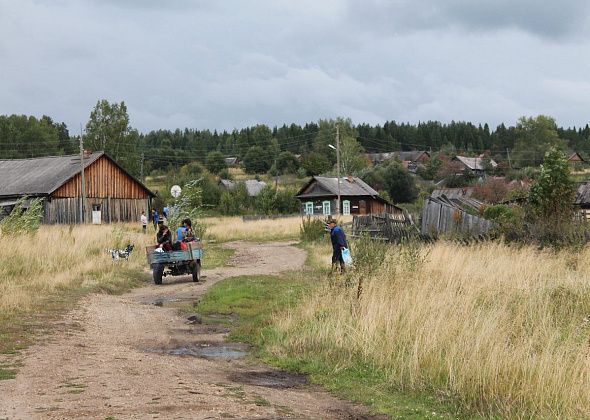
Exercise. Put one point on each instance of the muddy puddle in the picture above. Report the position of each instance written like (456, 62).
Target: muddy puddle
(270, 379)
(173, 302)
(206, 350)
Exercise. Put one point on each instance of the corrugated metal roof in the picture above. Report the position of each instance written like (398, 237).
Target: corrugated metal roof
(475, 163)
(357, 187)
(583, 194)
(39, 176)
(254, 187)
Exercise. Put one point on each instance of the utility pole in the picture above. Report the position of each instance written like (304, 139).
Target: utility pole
(508, 154)
(338, 211)
(83, 178)
(141, 167)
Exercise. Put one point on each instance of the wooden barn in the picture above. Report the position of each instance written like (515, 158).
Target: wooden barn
(320, 195)
(112, 194)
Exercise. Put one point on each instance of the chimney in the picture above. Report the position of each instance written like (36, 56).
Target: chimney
(350, 179)
(87, 153)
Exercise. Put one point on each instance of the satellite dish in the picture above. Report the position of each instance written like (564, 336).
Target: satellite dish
(175, 191)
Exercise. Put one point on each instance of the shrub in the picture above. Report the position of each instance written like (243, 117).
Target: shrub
(23, 219)
(312, 229)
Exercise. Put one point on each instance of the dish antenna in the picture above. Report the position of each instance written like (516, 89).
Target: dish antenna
(175, 191)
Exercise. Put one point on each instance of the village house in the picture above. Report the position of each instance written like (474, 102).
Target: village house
(320, 196)
(576, 160)
(477, 165)
(412, 157)
(111, 193)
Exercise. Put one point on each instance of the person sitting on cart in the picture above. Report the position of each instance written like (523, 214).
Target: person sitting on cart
(180, 232)
(189, 235)
(164, 237)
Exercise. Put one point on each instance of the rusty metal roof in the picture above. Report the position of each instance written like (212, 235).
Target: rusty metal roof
(42, 176)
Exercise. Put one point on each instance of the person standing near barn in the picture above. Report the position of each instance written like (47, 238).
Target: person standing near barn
(144, 221)
(339, 243)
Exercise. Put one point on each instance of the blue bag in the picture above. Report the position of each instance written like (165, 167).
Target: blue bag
(346, 256)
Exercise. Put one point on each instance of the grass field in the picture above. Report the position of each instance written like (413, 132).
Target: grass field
(224, 229)
(492, 329)
(43, 274)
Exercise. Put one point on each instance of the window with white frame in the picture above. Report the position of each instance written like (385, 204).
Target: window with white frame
(346, 207)
(309, 208)
(326, 208)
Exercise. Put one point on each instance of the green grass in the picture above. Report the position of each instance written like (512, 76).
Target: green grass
(216, 256)
(251, 301)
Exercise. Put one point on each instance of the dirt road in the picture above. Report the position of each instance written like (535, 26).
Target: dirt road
(135, 357)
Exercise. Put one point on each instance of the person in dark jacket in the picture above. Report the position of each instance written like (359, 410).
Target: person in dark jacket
(338, 239)
(164, 237)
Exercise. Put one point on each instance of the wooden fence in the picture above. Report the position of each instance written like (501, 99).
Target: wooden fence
(384, 227)
(442, 215)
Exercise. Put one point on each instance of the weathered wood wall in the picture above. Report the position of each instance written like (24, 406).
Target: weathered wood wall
(67, 210)
(103, 179)
(439, 217)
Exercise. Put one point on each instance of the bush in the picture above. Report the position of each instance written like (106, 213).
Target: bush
(23, 220)
(312, 229)
(215, 162)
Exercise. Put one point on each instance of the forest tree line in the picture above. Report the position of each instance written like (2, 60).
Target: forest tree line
(260, 147)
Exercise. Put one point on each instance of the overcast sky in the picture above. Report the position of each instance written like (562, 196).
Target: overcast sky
(227, 64)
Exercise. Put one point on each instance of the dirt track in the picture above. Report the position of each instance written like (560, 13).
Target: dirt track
(134, 356)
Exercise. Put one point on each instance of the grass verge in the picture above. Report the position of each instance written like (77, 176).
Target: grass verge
(249, 304)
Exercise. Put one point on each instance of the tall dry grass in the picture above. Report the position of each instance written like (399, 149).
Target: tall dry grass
(500, 330)
(225, 229)
(61, 259)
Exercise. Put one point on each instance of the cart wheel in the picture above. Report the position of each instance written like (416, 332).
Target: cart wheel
(196, 271)
(158, 271)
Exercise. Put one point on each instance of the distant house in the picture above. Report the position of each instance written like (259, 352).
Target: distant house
(320, 196)
(576, 160)
(253, 187)
(111, 193)
(477, 165)
(412, 156)
(231, 161)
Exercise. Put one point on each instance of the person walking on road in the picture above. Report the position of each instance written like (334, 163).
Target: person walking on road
(338, 239)
(144, 221)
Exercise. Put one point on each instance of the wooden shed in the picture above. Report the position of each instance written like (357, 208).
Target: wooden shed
(112, 194)
(320, 196)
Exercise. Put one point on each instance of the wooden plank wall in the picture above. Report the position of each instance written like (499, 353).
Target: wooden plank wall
(439, 218)
(103, 179)
(67, 210)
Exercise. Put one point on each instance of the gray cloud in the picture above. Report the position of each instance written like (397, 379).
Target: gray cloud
(547, 19)
(221, 65)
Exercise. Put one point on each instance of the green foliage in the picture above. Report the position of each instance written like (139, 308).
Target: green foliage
(257, 160)
(399, 183)
(312, 229)
(233, 202)
(23, 219)
(108, 130)
(276, 201)
(509, 221)
(22, 136)
(215, 162)
(369, 254)
(534, 137)
(189, 205)
(429, 170)
(352, 156)
(316, 164)
(551, 198)
(287, 163)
